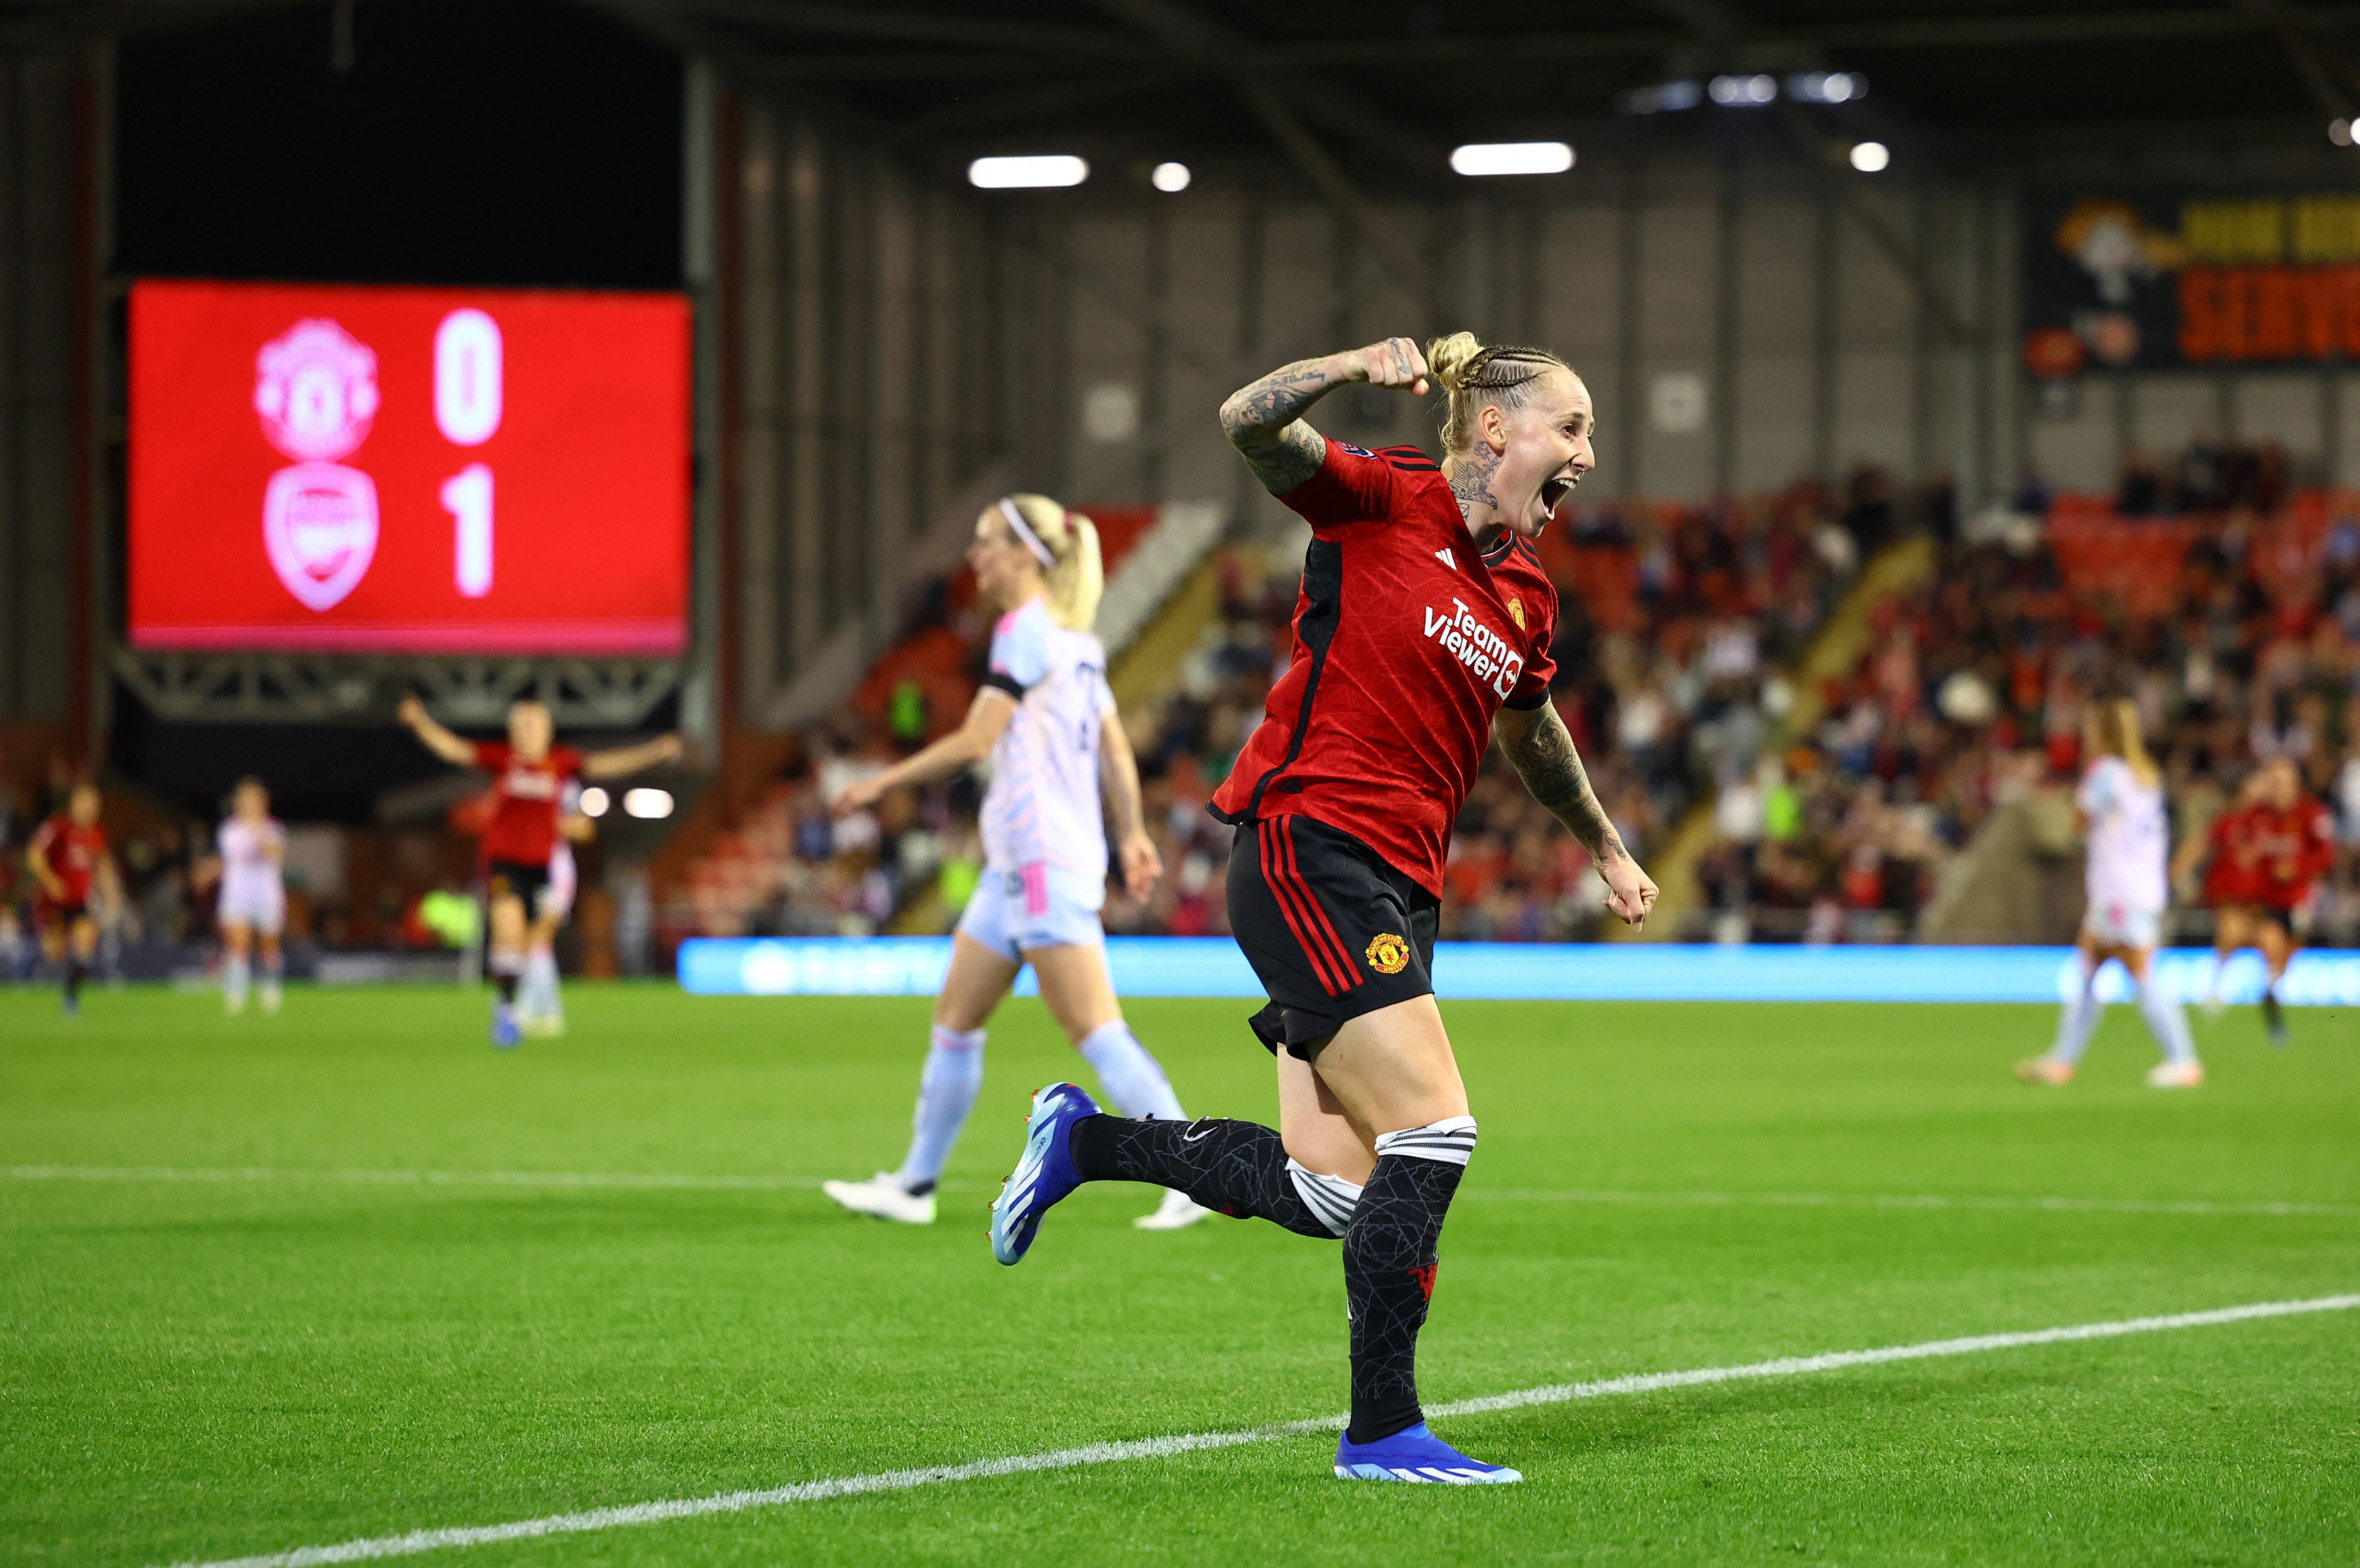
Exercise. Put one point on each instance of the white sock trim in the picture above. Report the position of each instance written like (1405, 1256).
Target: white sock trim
(1331, 1198)
(956, 1040)
(1450, 1141)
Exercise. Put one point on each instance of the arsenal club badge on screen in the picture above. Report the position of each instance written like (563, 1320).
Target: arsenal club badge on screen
(467, 471)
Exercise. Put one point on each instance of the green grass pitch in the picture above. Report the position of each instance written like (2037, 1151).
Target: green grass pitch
(193, 1369)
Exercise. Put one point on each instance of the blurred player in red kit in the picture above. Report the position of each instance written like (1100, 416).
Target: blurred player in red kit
(529, 775)
(69, 860)
(2266, 855)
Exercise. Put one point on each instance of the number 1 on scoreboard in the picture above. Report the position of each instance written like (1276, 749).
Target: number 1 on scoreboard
(468, 373)
(468, 497)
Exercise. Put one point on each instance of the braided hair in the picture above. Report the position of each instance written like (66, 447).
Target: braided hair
(1475, 377)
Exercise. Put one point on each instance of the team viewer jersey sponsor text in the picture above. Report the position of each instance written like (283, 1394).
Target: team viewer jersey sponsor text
(1407, 641)
(1042, 807)
(524, 814)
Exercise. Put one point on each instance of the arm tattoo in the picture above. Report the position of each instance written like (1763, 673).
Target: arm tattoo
(1263, 422)
(1551, 768)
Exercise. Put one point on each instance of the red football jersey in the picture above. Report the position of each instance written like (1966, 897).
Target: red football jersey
(2291, 850)
(2229, 864)
(72, 853)
(524, 817)
(1407, 641)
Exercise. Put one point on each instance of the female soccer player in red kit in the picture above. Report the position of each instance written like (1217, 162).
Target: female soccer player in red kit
(2268, 852)
(529, 775)
(1422, 633)
(71, 863)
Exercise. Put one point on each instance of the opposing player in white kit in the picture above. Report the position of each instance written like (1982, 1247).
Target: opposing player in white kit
(252, 847)
(1047, 720)
(541, 1010)
(2121, 798)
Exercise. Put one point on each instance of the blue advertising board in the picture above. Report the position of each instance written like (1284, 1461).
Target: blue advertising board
(1616, 972)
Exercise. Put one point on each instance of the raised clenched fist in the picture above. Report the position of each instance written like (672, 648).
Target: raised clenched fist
(1397, 361)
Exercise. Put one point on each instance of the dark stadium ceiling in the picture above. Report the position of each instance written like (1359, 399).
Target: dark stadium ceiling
(1387, 86)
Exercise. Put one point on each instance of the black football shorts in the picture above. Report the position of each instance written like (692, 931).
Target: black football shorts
(1330, 928)
(528, 883)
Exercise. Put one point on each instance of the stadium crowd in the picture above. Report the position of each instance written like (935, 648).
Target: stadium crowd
(2209, 588)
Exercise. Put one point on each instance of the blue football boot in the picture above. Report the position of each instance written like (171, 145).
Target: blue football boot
(505, 1033)
(1044, 1175)
(1415, 1454)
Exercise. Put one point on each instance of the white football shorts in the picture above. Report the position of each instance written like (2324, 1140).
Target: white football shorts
(2121, 925)
(1035, 905)
(260, 903)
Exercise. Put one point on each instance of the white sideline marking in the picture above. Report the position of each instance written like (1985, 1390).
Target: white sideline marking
(1916, 1201)
(1163, 1447)
(686, 1182)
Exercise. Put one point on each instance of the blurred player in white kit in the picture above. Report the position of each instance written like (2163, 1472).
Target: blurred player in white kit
(2121, 798)
(540, 1011)
(251, 851)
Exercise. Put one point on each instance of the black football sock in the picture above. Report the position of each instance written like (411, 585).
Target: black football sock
(1238, 1169)
(1389, 1264)
(507, 984)
(76, 972)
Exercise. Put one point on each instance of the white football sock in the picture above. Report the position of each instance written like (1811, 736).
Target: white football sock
(1331, 1198)
(540, 984)
(273, 971)
(1132, 1079)
(947, 1092)
(2166, 1021)
(2078, 1021)
(235, 973)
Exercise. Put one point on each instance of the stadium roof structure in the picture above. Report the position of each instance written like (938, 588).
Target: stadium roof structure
(1384, 88)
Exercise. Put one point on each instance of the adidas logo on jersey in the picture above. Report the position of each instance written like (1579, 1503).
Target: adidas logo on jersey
(1478, 646)
(1445, 557)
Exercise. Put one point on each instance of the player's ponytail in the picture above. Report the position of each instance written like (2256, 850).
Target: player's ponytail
(1473, 377)
(2116, 721)
(1077, 578)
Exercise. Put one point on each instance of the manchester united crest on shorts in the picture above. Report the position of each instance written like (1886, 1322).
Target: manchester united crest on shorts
(1388, 955)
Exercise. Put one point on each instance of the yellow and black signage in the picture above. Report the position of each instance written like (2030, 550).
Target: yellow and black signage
(2152, 282)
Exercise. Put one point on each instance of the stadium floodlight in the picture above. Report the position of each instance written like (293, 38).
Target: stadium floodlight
(1170, 178)
(2340, 132)
(1869, 157)
(1027, 173)
(594, 801)
(1511, 158)
(1827, 86)
(1743, 92)
(650, 804)
(1663, 98)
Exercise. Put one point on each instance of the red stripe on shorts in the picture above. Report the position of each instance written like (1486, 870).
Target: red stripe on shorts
(1337, 950)
(1273, 876)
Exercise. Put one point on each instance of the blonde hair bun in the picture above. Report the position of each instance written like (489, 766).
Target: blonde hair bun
(1452, 359)
(1474, 377)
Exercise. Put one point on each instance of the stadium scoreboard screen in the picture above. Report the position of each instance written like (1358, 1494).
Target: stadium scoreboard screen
(408, 469)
